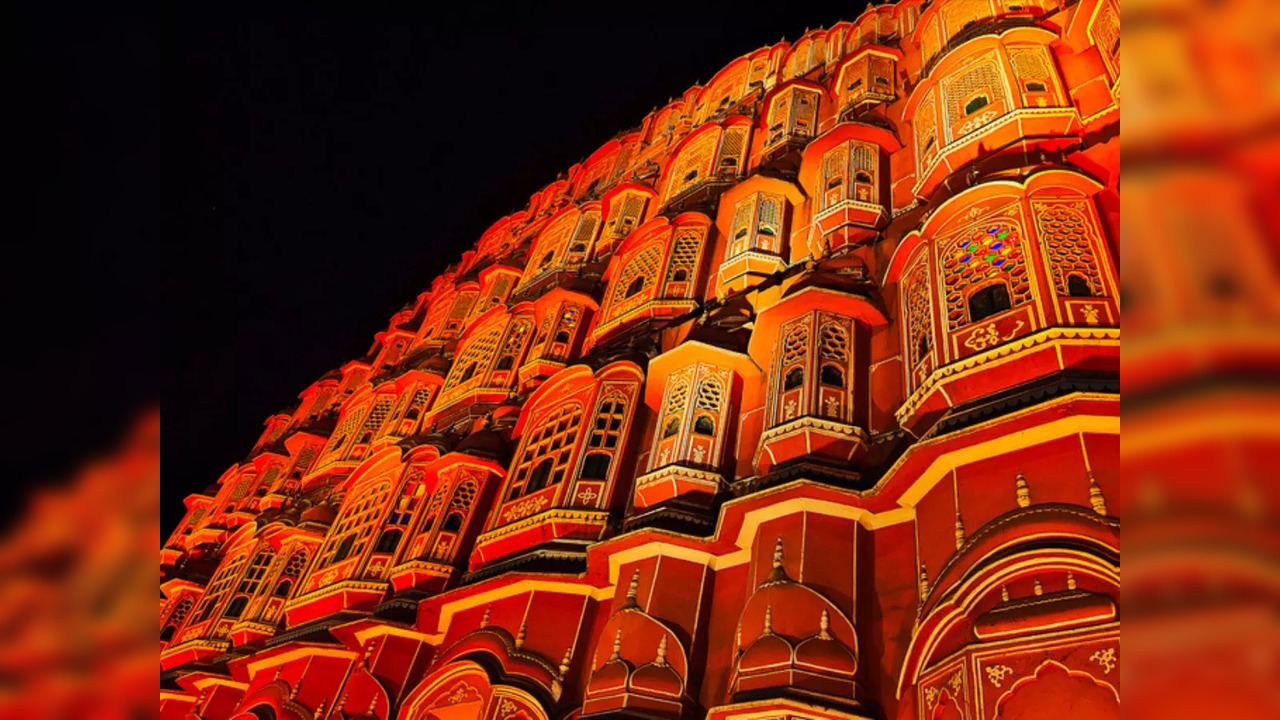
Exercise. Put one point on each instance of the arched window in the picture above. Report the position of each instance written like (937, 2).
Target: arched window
(976, 103)
(634, 288)
(283, 587)
(538, 478)
(468, 373)
(237, 606)
(388, 541)
(544, 460)
(453, 522)
(794, 379)
(672, 427)
(1077, 286)
(922, 347)
(988, 301)
(505, 362)
(344, 549)
(596, 466)
(167, 634)
(546, 259)
(704, 425)
(832, 375)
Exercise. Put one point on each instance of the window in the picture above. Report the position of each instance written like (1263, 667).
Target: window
(167, 634)
(673, 427)
(452, 523)
(704, 425)
(1077, 286)
(634, 288)
(596, 466)
(538, 478)
(988, 301)
(975, 104)
(389, 541)
(505, 362)
(237, 606)
(922, 347)
(344, 548)
(832, 375)
(794, 379)
(1035, 86)
(283, 588)
(546, 259)
(468, 373)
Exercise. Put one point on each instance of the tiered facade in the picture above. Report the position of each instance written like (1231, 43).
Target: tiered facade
(801, 399)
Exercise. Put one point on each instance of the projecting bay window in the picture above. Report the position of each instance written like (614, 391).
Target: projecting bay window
(793, 115)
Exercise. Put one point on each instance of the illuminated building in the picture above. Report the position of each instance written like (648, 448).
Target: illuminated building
(801, 399)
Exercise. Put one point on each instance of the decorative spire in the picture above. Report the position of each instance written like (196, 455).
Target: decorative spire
(1071, 580)
(617, 646)
(778, 573)
(321, 707)
(824, 625)
(373, 705)
(738, 639)
(293, 691)
(520, 634)
(633, 590)
(1004, 593)
(768, 620)
(1024, 491)
(484, 621)
(924, 583)
(279, 669)
(959, 530)
(1096, 499)
(1039, 589)
(661, 660)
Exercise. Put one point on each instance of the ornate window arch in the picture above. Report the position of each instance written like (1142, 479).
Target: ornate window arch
(546, 452)
(813, 369)
(360, 516)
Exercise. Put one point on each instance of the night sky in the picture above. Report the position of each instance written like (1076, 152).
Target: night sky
(323, 168)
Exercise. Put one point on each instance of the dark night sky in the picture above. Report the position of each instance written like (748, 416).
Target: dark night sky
(326, 166)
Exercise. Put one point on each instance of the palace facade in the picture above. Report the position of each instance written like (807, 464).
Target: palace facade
(799, 400)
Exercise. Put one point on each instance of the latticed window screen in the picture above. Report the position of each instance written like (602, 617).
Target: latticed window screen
(926, 128)
(694, 163)
(551, 441)
(677, 395)
(917, 299)
(1066, 230)
(740, 240)
(344, 432)
(179, 613)
(959, 13)
(474, 359)
(607, 428)
(377, 415)
(1030, 63)
(644, 264)
(464, 495)
(977, 254)
(1106, 34)
(710, 395)
(684, 255)
(960, 90)
(834, 343)
(220, 585)
(357, 523)
(796, 345)
(732, 144)
(251, 582)
(583, 237)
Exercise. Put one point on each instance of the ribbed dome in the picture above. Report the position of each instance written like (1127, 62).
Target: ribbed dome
(767, 652)
(322, 513)
(657, 677)
(824, 653)
(611, 677)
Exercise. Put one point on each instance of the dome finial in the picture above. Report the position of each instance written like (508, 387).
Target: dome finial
(1071, 580)
(768, 620)
(1023, 491)
(924, 583)
(564, 662)
(959, 530)
(824, 625)
(1004, 593)
(520, 634)
(617, 645)
(661, 659)
(633, 589)
(777, 553)
(1096, 498)
(1038, 589)
(484, 621)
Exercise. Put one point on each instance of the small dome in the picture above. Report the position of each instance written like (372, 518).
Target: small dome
(825, 655)
(483, 444)
(766, 653)
(655, 679)
(611, 677)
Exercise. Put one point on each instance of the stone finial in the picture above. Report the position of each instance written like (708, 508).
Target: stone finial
(564, 663)
(520, 634)
(321, 707)
(1039, 589)
(1096, 499)
(617, 646)
(633, 589)
(1023, 492)
(484, 621)
(293, 691)
(824, 625)
(373, 705)
(768, 620)
(959, 531)
(661, 659)
(1004, 593)
(924, 583)
(1071, 580)
(777, 553)
(738, 638)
